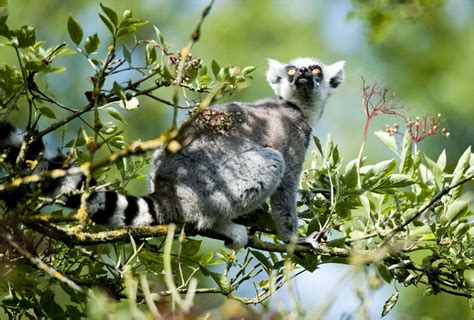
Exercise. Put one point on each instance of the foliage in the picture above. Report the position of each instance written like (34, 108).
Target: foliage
(381, 15)
(406, 219)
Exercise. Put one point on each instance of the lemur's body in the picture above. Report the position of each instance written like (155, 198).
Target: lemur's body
(222, 175)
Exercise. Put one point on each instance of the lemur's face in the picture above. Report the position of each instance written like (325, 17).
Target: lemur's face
(305, 81)
(304, 77)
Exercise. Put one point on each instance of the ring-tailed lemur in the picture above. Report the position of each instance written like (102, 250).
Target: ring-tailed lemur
(222, 175)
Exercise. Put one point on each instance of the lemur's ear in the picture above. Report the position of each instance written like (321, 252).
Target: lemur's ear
(335, 73)
(275, 72)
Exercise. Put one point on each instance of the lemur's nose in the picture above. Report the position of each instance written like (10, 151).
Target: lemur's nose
(303, 69)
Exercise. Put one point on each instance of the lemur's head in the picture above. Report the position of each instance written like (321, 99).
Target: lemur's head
(306, 82)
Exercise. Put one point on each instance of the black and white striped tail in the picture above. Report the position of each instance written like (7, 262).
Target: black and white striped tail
(117, 210)
(106, 207)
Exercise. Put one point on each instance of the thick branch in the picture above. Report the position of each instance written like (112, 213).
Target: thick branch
(72, 236)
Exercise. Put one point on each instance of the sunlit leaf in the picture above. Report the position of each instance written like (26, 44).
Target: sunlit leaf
(150, 53)
(92, 43)
(454, 211)
(388, 140)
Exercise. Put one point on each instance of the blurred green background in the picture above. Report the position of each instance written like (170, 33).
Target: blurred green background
(425, 54)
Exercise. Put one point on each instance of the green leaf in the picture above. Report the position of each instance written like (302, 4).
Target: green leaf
(308, 261)
(262, 258)
(335, 156)
(118, 91)
(150, 54)
(109, 128)
(318, 144)
(215, 68)
(329, 147)
(406, 160)
(203, 71)
(394, 181)
(435, 171)
(454, 211)
(75, 30)
(364, 200)
(191, 247)
(47, 112)
(36, 65)
(26, 36)
(377, 172)
(350, 174)
(462, 165)
(315, 224)
(206, 259)
(132, 22)
(383, 168)
(127, 55)
(118, 142)
(388, 140)
(92, 43)
(460, 170)
(222, 281)
(117, 115)
(248, 70)
(390, 303)
(159, 36)
(125, 31)
(4, 30)
(110, 13)
(107, 23)
(51, 308)
(223, 74)
(441, 162)
(165, 72)
(191, 74)
(384, 272)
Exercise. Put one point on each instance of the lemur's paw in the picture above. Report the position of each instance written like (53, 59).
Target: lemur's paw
(236, 244)
(236, 237)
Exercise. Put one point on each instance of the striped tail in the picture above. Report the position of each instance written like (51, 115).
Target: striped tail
(104, 207)
(117, 210)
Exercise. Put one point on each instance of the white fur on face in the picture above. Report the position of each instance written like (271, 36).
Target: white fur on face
(312, 104)
(305, 62)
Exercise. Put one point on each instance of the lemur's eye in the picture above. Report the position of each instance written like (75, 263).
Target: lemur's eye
(291, 71)
(316, 71)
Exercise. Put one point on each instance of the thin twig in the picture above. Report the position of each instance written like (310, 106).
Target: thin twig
(38, 263)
